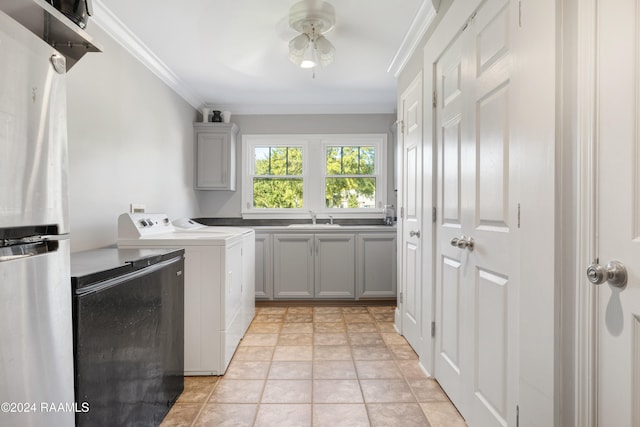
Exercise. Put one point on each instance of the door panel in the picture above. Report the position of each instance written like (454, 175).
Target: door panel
(412, 308)
(618, 191)
(476, 300)
(450, 336)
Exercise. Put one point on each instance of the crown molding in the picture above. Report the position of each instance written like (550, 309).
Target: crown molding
(116, 29)
(291, 109)
(418, 28)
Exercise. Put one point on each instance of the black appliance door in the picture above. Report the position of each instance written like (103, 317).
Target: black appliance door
(129, 346)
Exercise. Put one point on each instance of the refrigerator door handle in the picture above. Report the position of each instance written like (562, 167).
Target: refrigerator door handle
(12, 253)
(4, 258)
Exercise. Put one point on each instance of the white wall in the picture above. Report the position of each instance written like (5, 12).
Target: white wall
(228, 204)
(130, 140)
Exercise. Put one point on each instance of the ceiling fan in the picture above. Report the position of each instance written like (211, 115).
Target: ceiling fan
(312, 19)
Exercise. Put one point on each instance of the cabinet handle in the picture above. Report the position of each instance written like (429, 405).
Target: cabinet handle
(311, 248)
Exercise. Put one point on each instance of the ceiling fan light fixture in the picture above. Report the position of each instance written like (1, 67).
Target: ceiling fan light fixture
(310, 58)
(312, 18)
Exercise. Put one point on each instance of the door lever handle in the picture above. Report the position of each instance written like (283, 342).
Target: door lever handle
(463, 242)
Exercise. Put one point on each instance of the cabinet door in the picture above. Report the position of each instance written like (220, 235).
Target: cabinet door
(264, 267)
(377, 265)
(293, 265)
(215, 157)
(335, 273)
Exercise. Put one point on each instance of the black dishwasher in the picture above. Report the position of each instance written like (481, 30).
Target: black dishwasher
(128, 331)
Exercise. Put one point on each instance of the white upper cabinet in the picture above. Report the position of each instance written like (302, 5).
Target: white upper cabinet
(215, 150)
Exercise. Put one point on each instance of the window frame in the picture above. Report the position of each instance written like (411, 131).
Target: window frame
(314, 173)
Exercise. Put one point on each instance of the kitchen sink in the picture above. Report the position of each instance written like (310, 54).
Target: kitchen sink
(314, 225)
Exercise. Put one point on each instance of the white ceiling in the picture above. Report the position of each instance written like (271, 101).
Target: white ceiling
(234, 54)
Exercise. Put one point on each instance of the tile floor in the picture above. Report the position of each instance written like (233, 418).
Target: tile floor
(318, 366)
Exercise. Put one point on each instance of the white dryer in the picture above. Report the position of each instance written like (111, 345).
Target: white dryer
(219, 284)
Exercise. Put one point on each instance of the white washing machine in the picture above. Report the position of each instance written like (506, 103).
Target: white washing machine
(219, 300)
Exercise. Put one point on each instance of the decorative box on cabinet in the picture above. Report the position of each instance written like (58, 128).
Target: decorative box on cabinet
(215, 151)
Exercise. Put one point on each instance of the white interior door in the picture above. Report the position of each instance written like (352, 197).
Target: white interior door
(411, 102)
(618, 212)
(475, 275)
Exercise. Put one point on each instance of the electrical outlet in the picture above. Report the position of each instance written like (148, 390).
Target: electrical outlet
(137, 208)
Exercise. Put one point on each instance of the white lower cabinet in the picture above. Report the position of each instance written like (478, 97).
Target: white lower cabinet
(314, 266)
(264, 267)
(376, 265)
(328, 265)
(334, 265)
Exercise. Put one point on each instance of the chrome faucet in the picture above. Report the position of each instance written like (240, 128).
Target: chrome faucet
(313, 217)
(331, 219)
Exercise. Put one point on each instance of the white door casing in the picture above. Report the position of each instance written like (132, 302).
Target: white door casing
(476, 287)
(411, 238)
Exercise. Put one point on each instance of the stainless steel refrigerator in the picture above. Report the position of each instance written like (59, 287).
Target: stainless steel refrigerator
(36, 354)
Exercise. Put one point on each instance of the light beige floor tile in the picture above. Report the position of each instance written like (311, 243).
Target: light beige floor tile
(293, 352)
(181, 415)
(361, 327)
(300, 310)
(343, 414)
(403, 352)
(378, 369)
(291, 370)
(358, 318)
(329, 327)
(271, 310)
(336, 391)
(427, 390)
(298, 318)
(227, 415)
(371, 353)
(396, 414)
(247, 370)
(339, 338)
(383, 317)
(253, 353)
(283, 415)
(366, 338)
(387, 327)
(328, 317)
(442, 414)
(386, 391)
(269, 318)
(325, 310)
(297, 328)
(381, 309)
(394, 339)
(237, 391)
(411, 369)
(287, 391)
(334, 369)
(262, 340)
(355, 310)
(332, 352)
(295, 339)
(197, 389)
(264, 328)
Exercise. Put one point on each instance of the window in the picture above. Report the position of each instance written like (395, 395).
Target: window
(290, 175)
(350, 180)
(278, 177)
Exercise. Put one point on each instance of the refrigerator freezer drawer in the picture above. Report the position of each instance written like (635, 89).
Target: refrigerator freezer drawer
(36, 355)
